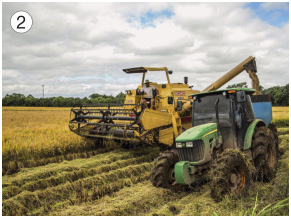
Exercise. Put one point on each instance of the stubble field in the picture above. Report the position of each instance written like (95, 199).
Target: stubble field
(47, 170)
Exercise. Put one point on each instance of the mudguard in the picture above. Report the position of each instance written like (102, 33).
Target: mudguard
(250, 132)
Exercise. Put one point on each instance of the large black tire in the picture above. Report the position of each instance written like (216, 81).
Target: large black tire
(229, 174)
(162, 173)
(265, 154)
(273, 128)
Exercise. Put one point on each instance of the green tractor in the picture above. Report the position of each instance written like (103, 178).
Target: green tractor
(230, 143)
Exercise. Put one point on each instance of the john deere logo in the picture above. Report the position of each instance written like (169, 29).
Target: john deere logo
(183, 144)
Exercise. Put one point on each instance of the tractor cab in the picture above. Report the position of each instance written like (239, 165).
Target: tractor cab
(230, 109)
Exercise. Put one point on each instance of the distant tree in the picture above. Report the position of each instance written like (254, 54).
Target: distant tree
(280, 95)
(85, 101)
(120, 97)
(95, 95)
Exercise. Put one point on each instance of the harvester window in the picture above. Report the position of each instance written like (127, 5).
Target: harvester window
(170, 100)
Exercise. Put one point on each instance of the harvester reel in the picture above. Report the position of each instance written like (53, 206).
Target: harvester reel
(105, 116)
(137, 114)
(77, 114)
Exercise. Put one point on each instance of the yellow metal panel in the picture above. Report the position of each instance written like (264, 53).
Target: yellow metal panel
(151, 119)
(156, 68)
(166, 136)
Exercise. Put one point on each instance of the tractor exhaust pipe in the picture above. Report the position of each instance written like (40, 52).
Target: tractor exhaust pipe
(217, 122)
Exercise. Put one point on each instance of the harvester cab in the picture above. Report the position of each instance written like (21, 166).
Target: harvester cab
(169, 93)
(227, 136)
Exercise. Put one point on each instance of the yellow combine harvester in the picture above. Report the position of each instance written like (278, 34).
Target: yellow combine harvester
(132, 124)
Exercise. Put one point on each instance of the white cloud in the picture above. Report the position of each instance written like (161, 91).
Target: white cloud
(80, 48)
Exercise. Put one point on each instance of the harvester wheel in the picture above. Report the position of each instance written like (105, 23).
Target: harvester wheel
(265, 154)
(229, 174)
(162, 173)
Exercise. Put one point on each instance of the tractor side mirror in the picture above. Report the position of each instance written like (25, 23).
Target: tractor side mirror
(179, 105)
(241, 96)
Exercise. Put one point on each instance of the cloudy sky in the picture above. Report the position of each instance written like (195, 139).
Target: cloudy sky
(76, 49)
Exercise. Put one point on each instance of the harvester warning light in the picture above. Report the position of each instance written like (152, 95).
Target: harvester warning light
(231, 91)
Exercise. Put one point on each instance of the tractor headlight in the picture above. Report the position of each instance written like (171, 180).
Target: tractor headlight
(189, 144)
(178, 145)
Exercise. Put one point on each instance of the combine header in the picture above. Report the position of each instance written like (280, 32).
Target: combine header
(132, 124)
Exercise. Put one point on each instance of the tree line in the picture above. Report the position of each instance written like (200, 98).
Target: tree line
(16, 99)
(280, 97)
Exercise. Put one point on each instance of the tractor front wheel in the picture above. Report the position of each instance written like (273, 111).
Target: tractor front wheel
(229, 174)
(265, 154)
(162, 173)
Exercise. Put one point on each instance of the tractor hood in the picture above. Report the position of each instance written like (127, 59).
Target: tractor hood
(197, 132)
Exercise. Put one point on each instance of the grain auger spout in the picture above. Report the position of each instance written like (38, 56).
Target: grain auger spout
(248, 64)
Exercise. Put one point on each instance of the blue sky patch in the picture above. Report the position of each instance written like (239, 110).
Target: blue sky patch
(149, 17)
(277, 15)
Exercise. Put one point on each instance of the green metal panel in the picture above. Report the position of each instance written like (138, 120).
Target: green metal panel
(185, 170)
(184, 173)
(247, 90)
(179, 171)
(197, 132)
(250, 132)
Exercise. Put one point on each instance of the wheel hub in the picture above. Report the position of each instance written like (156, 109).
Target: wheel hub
(172, 176)
(235, 180)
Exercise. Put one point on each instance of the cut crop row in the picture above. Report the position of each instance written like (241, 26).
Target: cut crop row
(27, 201)
(43, 172)
(75, 175)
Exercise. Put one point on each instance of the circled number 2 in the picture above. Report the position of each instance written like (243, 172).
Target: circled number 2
(21, 21)
(18, 26)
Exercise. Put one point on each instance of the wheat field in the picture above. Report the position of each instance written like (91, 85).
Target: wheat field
(48, 170)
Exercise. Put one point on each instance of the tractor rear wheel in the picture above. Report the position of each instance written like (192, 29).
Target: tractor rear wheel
(162, 173)
(229, 174)
(265, 154)
(273, 128)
